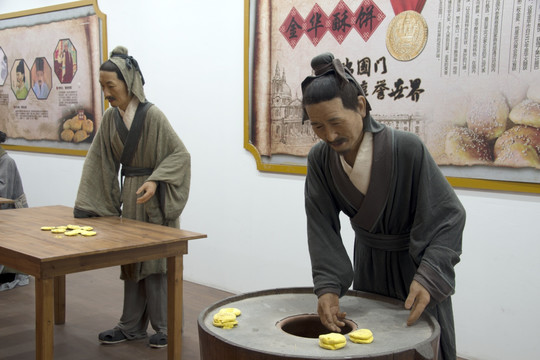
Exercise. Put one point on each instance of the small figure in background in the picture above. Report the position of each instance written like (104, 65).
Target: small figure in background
(10, 188)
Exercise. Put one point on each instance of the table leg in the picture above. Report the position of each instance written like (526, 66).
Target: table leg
(174, 306)
(60, 299)
(44, 318)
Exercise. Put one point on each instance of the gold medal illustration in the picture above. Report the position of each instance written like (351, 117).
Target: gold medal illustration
(407, 35)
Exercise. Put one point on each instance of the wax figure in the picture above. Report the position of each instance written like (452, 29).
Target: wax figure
(11, 187)
(408, 222)
(156, 172)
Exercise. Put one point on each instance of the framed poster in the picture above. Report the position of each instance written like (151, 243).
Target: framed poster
(464, 75)
(50, 97)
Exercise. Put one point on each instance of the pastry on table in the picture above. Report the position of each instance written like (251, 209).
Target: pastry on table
(332, 341)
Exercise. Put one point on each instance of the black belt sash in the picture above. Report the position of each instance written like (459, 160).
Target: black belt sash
(135, 171)
(384, 242)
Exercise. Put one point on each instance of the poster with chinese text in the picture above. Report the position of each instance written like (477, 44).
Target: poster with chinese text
(464, 75)
(50, 98)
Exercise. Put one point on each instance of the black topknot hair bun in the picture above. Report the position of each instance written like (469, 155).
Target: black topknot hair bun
(321, 61)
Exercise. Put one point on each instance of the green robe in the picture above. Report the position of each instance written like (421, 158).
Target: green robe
(407, 226)
(21, 93)
(101, 194)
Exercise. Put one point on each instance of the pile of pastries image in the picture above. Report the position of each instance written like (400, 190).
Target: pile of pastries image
(491, 128)
(77, 129)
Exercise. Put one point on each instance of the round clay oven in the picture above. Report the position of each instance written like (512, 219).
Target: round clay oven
(283, 324)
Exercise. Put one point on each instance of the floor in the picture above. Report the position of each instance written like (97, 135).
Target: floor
(93, 304)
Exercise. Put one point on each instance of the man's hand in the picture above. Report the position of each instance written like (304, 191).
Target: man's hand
(417, 301)
(328, 309)
(148, 189)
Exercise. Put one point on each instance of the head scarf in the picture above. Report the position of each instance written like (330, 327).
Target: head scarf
(326, 65)
(130, 70)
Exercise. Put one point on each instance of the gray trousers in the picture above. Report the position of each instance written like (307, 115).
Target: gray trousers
(145, 301)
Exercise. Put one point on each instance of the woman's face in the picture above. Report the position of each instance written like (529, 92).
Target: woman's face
(19, 77)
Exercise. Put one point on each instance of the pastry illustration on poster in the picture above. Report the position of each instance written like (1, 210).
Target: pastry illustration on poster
(50, 98)
(463, 75)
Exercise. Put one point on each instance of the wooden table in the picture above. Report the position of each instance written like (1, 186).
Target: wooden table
(49, 257)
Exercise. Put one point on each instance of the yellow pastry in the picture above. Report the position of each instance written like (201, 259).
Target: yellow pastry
(465, 147)
(526, 113)
(71, 232)
(361, 336)
(225, 320)
(80, 135)
(86, 228)
(332, 341)
(47, 228)
(488, 115)
(67, 135)
(73, 227)
(87, 233)
(75, 123)
(58, 230)
(235, 311)
(88, 126)
(67, 124)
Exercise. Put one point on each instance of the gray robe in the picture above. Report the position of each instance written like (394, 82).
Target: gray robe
(11, 186)
(408, 226)
(100, 192)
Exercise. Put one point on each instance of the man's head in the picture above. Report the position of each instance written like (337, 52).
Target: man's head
(121, 79)
(335, 104)
(114, 86)
(39, 71)
(331, 79)
(327, 87)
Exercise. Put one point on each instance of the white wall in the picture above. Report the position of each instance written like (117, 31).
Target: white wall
(255, 221)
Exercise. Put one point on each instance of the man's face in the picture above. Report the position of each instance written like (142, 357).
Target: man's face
(39, 74)
(114, 89)
(340, 127)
